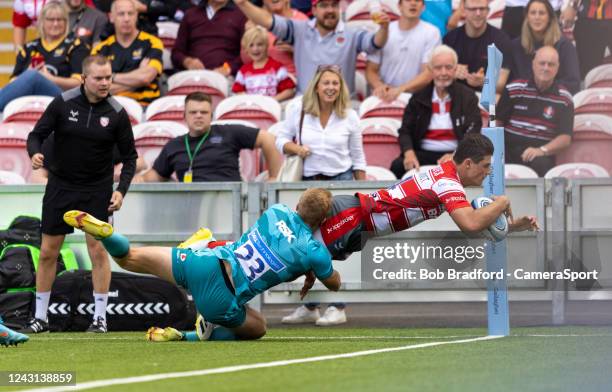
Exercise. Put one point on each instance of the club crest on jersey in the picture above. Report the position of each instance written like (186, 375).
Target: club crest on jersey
(549, 112)
(137, 54)
(285, 231)
(58, 52)
(74, 114)
(104, 121)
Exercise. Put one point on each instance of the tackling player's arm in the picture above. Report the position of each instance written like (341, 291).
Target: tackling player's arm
(333, 281)
(472, 221)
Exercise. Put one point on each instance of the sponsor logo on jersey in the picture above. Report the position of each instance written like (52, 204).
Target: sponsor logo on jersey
(285, 231)
(340, 224)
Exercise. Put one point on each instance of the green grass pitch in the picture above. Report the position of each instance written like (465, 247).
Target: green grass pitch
(532, 359)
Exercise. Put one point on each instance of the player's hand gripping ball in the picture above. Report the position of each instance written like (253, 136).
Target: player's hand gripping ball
(499, 229)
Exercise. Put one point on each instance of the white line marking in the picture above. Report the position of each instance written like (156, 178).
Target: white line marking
(50, 339)
(237, 368)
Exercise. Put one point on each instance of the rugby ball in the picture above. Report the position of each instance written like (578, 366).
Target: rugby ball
(499, 229)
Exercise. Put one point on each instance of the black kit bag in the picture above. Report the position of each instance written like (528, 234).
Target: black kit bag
(135, 303)
(22, 230)
(16, 269)
(16, 308)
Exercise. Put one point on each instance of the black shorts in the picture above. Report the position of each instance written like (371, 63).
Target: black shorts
(57, 201)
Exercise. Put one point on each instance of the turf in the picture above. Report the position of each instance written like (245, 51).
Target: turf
(529, 360)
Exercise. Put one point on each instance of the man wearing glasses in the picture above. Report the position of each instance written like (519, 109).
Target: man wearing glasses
(470, 41)
(323, 40)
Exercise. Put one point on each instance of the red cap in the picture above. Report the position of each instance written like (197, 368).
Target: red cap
(314, 2)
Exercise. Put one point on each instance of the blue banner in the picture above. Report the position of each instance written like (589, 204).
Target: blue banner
(495, 58)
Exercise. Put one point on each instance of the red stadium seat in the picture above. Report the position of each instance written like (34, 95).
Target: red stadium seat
(379, 126)
(594, 100)
(514, 171)
(592, 141)
(261, 110)
(359, 10)
(10, 178)
(380, 149)
(374, 107)
(170, 108)
(26, 109)
(600, 76)
(13, 154)
(132, 107)
(150, 137)
(577, 170)
(377, 173)
(209, 82)
(167, 32)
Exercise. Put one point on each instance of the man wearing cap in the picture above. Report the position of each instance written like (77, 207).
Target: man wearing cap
(322, 40)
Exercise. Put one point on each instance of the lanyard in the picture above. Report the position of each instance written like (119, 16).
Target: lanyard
(195, 152)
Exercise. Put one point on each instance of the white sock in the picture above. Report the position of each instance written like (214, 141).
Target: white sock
(42, 304)
(100, 310)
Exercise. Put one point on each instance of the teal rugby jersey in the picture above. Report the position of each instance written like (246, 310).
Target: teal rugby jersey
(278, 248)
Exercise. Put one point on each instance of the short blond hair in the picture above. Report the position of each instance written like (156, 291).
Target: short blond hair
(50, 7)
(314, 205)
(310, 100)
(253, 34)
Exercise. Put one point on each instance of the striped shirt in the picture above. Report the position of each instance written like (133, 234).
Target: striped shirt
(536, 116)
(128, 59)
(440, 135)
(426, 195)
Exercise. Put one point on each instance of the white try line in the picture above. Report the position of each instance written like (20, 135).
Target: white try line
(238, 368)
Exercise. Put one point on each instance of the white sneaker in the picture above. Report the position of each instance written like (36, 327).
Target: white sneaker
(332, 316)
(302, 315)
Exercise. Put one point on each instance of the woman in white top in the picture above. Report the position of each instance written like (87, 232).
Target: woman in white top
(331, 143)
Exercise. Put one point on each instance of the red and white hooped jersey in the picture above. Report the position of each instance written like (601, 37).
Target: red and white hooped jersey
(426, 195)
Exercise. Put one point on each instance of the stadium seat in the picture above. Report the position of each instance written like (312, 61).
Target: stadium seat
(209, 82)
(380, 149)
(375, 107)
(422, 169)
(577, 170)
(260, 110)
(362, 59)
(600, 76)
(167, 32)
(594, 100)
(359, 10)
(363, 24)
(379, 126)
(361, 86)
(10, 178)
(13, 154)
(274, 129)
(150, 137)
(166, 108)
(377, 173)
(592, 141)
(251, 161)
(132, 107)
(28, 108)
(496, 13)
(514, 171)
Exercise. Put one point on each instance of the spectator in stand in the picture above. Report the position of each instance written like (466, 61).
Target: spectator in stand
(437, 117)
(538, 115)
(514, 14)
(470, 42)
(263, 75)
(592, 30)
(25, 14)
(323, 40)
(50, 64)
(209, 38)
(401, 66)
(330, 137)
(136, 56)
(440, 14)
(86, 23)
(332, 148)
(209, 152)
(149, 13)
(541, 28)
(278, 49)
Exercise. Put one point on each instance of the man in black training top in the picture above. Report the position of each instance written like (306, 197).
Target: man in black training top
(87, 123)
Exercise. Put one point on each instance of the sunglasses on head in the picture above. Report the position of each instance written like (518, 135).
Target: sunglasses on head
(329, 67)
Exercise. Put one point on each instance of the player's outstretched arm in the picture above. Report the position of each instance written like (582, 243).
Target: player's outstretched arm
(523, 223)
(470, 220)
